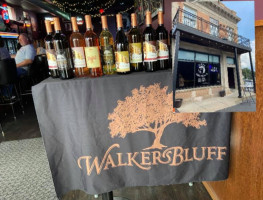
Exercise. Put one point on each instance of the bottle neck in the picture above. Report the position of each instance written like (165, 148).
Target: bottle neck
(57, 31)
(119, 28)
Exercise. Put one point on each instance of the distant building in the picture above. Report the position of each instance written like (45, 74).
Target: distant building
(206, 57)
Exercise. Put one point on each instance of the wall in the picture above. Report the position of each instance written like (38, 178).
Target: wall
(245, 180)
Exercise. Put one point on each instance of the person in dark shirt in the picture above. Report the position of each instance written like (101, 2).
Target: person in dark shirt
(4, 54)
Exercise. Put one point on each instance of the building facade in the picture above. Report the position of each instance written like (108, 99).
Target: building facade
(209, 49)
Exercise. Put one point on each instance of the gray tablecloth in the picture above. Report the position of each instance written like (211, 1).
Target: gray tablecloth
(115, 131)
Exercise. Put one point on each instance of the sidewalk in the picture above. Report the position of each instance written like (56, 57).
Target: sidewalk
(216, 103)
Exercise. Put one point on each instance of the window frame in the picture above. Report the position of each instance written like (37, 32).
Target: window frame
(195, 62)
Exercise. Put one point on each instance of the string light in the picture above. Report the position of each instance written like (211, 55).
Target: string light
(112, 15)
(67, 6)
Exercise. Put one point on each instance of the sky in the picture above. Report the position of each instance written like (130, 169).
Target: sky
(246, 26)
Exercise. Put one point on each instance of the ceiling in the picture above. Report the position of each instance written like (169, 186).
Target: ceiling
(118, 5)
(25, 5)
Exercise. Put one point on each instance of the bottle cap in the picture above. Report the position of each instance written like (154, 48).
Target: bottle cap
(160, 17)
(57, 24)
(119, 20)
(48, 26)
(88, 21)
(104, 21)
(74, 24)
(133, 19)
(148, 18)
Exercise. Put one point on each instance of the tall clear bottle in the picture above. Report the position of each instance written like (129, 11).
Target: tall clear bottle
(107, 48)
(149, 45)
(77, 44)
(121, 49)
(62, 49)
(50, 51)
(135, 45)
(92, 50)
(162, 43)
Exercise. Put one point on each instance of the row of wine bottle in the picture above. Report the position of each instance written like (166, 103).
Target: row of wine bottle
(94, 56)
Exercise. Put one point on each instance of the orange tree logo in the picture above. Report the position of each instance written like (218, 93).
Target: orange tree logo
(149, 109)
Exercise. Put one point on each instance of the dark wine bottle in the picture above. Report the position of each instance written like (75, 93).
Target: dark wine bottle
(135, 45)
(149, 45)
(50, 51)
(121, 49)
(62, 49)
(162, 43)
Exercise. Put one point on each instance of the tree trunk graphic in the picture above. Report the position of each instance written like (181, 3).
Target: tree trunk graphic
(157, 141)
(148, 110)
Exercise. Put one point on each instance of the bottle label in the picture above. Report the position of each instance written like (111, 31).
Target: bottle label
(122, 61)
(162, 48)
(107, 55)
(64, 59)
(150, 52)
(78, 57)
(51, 59)
(135, 52)
(92, 57)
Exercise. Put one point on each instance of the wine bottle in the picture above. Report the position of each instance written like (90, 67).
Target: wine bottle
(77, 44)
(149, 45)
(50, 51)
(64, 61)
(106, 45)
(162, 43)
(135, 45)
(121, 49)
(92, 50)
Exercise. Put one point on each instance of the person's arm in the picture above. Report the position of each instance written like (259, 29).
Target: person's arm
(24, 63)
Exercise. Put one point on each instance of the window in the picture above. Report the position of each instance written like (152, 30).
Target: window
(213, 59)
(230, 61)
(185, 75)
(186, 55)
(201, 57)
(189, 18)
(201, 74)
(197, 69)
(230, 33)
(215, 75)
(214, 27)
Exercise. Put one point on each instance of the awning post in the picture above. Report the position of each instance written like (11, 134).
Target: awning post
(238, 75)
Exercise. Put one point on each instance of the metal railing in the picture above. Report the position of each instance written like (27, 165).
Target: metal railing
(186, 18)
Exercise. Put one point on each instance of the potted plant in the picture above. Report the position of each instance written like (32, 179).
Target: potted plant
(222, 93)
(178, 103)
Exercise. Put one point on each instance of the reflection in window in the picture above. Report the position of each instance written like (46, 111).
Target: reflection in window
(214, 27)
(230, 61)
(189, 18)
(185, 75)
(230, 33)
(213, 59)
(197, 69)
(214, 71)
(201, 57)
(186, 55)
